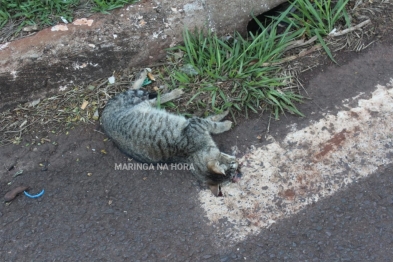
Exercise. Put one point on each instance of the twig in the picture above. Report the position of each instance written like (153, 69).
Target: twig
(299, 43)
(95, 130)
(293, 57)
(268, 128)
(353, 28)
(20, 130)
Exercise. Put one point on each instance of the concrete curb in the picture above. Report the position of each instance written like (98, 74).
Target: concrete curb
(85, 50)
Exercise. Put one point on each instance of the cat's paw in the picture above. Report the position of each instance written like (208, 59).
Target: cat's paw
(219, 117)
(227, 125)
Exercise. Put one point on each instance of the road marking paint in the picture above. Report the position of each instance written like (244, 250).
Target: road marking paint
(280, 179)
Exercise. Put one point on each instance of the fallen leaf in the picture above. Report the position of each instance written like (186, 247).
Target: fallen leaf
(151, 77)
(34, 103)
(84, 104)
(14, 192)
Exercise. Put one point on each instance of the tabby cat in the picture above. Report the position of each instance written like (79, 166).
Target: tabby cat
(151, 135)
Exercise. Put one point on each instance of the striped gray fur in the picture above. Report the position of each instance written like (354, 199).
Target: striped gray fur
(151, 135)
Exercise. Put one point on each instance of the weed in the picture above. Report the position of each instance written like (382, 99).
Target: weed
(317, 18)
(49, 12)
(36, 12)
(104, 6)
(237, 73)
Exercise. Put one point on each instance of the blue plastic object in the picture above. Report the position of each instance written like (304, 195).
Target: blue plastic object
(35, 196)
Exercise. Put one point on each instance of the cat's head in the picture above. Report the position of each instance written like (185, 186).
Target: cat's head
(222, 170)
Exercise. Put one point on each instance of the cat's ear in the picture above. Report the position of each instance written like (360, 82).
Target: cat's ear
(214, 167)
(215, 190)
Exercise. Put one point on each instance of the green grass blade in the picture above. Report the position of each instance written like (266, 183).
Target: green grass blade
(325, 47)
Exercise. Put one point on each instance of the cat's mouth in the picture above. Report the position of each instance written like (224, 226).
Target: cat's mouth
(232, 174)
(235, 172)
(236, 178)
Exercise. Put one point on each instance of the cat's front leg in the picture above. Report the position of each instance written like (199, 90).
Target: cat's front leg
(219, 117)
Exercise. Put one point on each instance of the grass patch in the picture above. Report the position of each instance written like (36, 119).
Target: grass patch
(234, 74)
(44, 13)
(103, 6)
(316, 18)
(237, 74)
(243, 74)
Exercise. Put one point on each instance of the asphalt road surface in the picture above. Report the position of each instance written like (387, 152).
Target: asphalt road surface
(318, 188)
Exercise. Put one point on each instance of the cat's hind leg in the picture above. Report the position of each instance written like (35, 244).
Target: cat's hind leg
(174, 94)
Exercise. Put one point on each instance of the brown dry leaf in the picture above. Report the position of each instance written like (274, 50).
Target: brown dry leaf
(85, 103)
(151, 77)
(142, 22)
